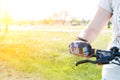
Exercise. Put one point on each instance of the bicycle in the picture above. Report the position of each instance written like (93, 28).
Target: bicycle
(103, 57)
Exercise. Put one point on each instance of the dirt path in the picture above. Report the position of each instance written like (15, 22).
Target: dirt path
(7, 73)
(31, 28)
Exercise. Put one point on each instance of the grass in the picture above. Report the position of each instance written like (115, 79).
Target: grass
(46, 54)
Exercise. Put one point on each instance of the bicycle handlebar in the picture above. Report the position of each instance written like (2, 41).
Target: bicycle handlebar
(102, 56)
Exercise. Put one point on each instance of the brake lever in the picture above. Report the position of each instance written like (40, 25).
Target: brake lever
(85, 61)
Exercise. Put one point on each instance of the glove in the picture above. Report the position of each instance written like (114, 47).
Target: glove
(80, 48)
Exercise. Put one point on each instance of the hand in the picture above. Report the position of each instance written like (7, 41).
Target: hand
(80, 48)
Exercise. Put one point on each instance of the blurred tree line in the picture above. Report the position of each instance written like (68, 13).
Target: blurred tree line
(55, 18)
(49, 21)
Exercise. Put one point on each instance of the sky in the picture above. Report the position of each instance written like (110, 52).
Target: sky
(40, 9)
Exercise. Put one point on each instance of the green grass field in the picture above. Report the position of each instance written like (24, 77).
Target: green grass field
(46, 54)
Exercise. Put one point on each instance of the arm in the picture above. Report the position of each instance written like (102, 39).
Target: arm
(101, 18)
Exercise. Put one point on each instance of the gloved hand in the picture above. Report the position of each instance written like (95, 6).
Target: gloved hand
(80, 48)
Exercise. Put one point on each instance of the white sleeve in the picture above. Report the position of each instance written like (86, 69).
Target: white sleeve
(106, 4)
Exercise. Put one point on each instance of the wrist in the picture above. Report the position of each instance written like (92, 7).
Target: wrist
(81, 39)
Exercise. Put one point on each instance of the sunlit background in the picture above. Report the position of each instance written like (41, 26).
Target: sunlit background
(41, 9)
(34, 39)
